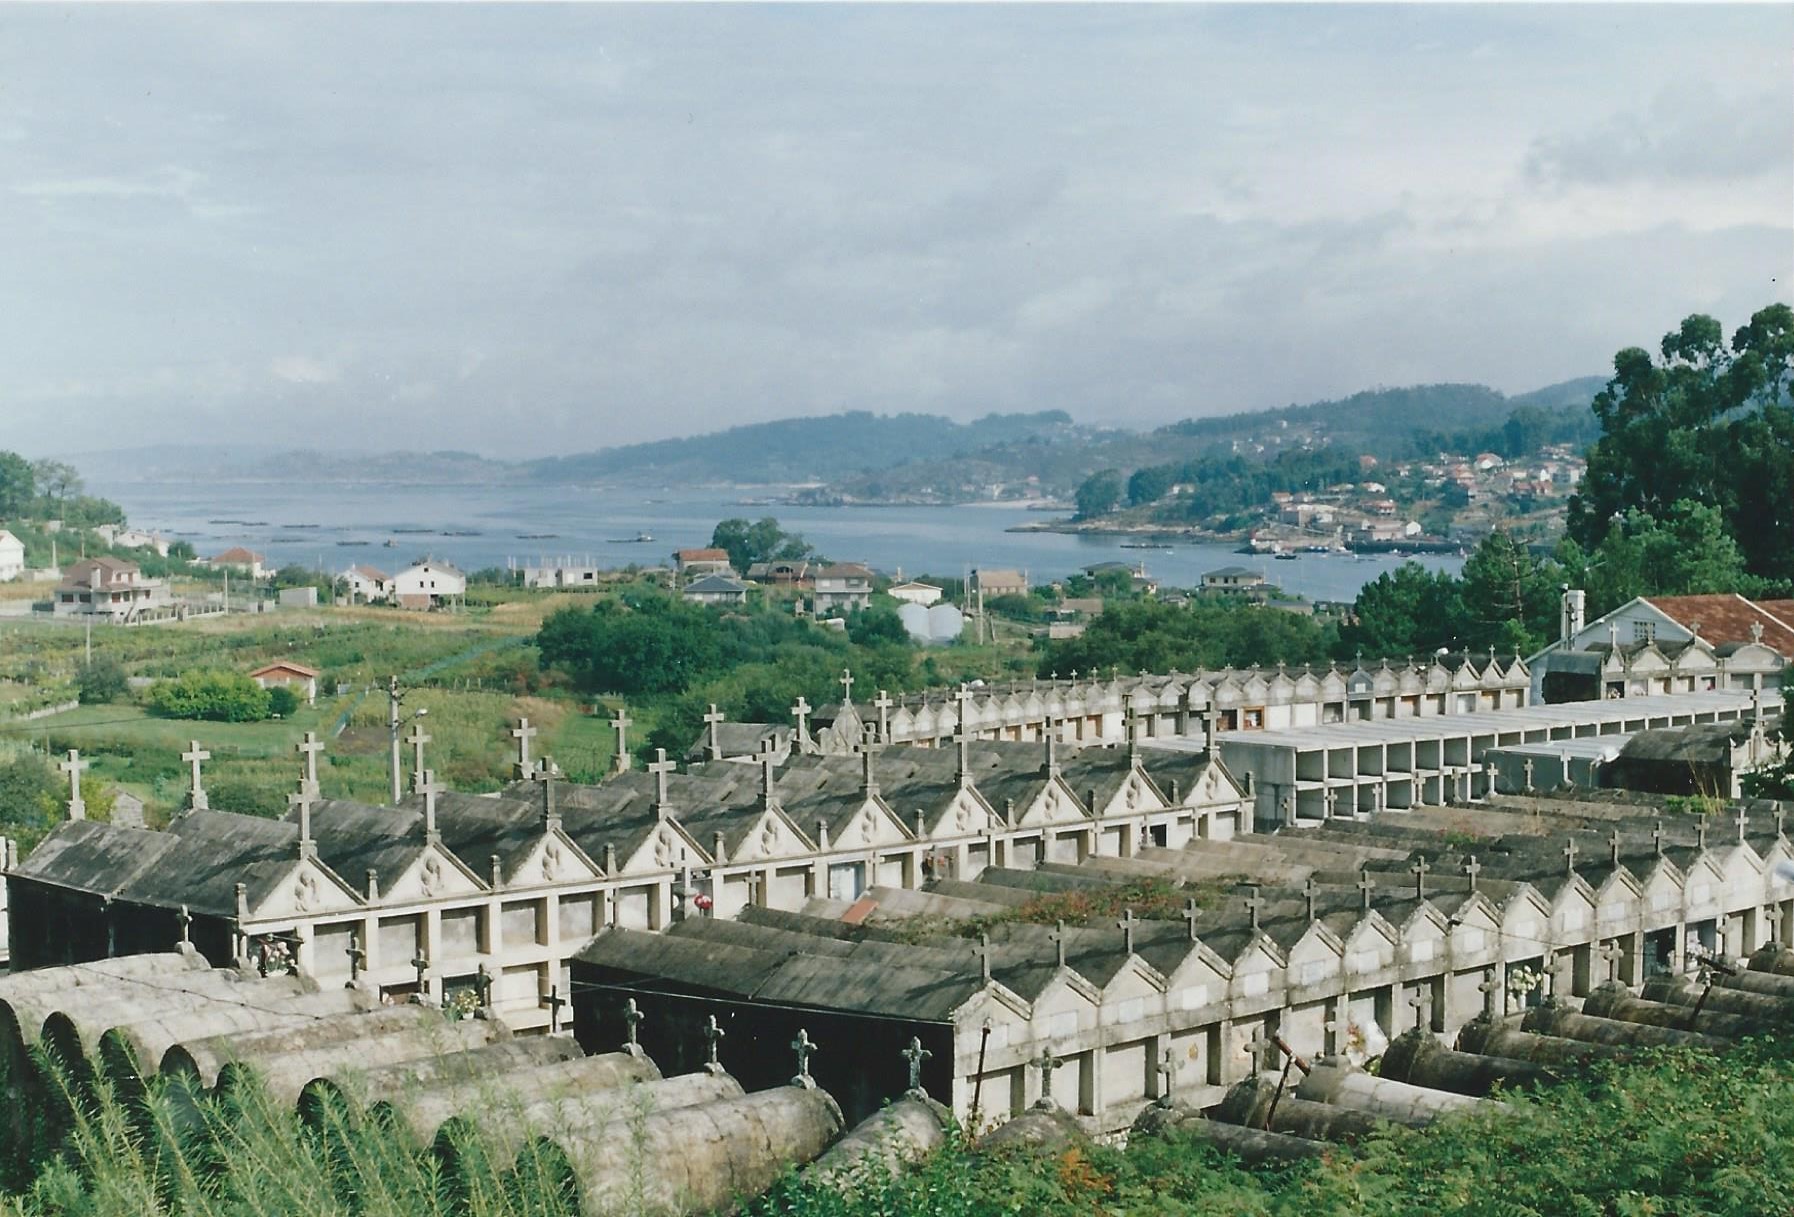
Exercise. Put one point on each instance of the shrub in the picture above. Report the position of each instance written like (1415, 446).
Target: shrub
(102, 680)
(282, 701)
(207, 693)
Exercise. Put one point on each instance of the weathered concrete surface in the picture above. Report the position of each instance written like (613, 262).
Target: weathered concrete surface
(1397, 1102)
(699, 1159)
(1250, 1145)
(284, 1076)
(1616, 1002)
(201, 1059)
(129, 1052)
(1501, 1039)
(422, 1113)
(1772, 1011)
(1774, 959)
(1248, 1104)
(1758, 982)
(1419, 1059)
(1050, 1127)
(886, 1141)
(480, 1071)
(1547, 1020)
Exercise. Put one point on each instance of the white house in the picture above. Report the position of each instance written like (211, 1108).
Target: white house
(132, 538)
(913, 592)
(716, 589)
(108, 587)
(12, 556)
(427, 585)
(366, 585)
(845, 585)
(295, 676)
(237, 558)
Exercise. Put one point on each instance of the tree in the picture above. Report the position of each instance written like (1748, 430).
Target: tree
(1150, 484)
(1156, 636)
(1099, 494)
(210, 694)
(1507, 600)
(1689, 552)
(761, 541)
(56, 481)
(1704, 423)
(103, 680)
(877, 625)
(18, 485)
(659, 645)
(282, 702)
(1407, 611)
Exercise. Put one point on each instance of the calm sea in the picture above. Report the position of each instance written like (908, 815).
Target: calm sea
(335, 526)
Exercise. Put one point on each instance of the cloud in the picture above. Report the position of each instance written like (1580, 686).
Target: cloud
(301, 370)
(1687, 132)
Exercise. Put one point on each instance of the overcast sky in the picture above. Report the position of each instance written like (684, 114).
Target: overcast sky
(520, 230)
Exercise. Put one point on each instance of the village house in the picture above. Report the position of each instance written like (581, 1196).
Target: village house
(12, 557)
(716, 589)
(366, 585)
(284, 673)
(429, 584)
(842, 587)
(998, 581)
(913, 592)
(695, 562)
(112, 588)
(559, 573)
(782, 572)
(238, 559)
(1233, 581)
(132, 538)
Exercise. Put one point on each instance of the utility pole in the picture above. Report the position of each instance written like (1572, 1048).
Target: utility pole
(392, 727)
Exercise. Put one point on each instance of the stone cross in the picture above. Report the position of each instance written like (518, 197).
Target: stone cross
(1489, 987)
(1332, 800)
(1049, 732)
(1473, 868)
(883, 704)
(1780, 817)
(1569, 852)
(523, 733)
(869, 750)
(621, 722)
(1058, 937)
(982, 951)
(555, 1002)
(302, 801)
(1528, 769)
(805, 1048)
(1257, 1046)
(1191, 914)
(1253, 903)
(962, 739)
(421, 966)
(73, 767)
(417, 739)
(426, 786)
(482, 985)
(1657, 838)
(309, 747)
(632, 1017)
(660, 767)
(1613, 847)
(1366, 885)
(1126, 923)
(915, 1054)
(1422, 1001)
(196, 793)
(1167, 1076)
(1046, 1062)
(1700, 832)
(847, 686)
(800, 711)
(713, 1035)
(1610, 951)
(1310, 889)
(713, 721)
(1419, 869)
(358, 957)
(185, 919)
(1743, 822)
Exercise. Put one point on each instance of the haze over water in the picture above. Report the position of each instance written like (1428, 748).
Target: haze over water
(306, 524)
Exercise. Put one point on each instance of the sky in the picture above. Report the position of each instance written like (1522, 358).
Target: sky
(523, 230)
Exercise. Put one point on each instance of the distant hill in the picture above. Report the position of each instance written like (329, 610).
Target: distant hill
(797, 450)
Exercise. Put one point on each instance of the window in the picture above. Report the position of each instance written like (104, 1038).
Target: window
(1644, 631)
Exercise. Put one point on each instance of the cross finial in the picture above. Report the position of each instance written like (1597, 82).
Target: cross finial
(417, 739)
(426, 786)
(982, 951)
(1743, 821)
(1167, 1076)
(621, 722)
(847, 686)
(1472, 868)
(713, 721)
(883, 704)
(766, 756)
(1611, 952)
(302, 801)
(1191, 914)
(309, 747)
(714, 1034)
(1569, 852)
(1418, 869)
(523, 733)
(915, 1054)
(1700, 831)
(196, 793)
(632, 1017)
(1253, 902)
(1366, 885)
(660, 767)
(358, 957)
(1528, 769)
(1058, 937)
(1310, 891)
(185, 920)
(421, 966)
(73, 767)
(805, 1048)
(1126, 923)
(1657, 838)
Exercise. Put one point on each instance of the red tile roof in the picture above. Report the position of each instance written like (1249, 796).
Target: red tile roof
(1726, 619)
(286, 665)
